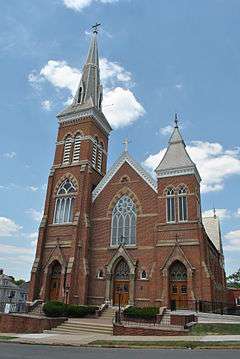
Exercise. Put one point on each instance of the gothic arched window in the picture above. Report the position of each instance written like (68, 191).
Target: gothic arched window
(178, 271)
(67, 149)
(170, 205)
(182, 204)
(124, 222)
(64, 203)
(77, 147)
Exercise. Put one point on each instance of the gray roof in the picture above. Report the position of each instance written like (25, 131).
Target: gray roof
(212, 228)
(89, 93)
(176, 161)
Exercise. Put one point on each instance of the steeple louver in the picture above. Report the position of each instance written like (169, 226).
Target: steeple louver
(176, 161)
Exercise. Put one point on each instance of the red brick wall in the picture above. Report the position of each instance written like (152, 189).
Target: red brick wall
(13, 323)
(123, 330)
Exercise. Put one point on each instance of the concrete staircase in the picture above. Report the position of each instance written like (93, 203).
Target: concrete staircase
(166, 318)
(109, 313)
(80, 326)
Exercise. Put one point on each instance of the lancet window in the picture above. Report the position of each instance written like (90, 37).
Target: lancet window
(182, 204)
(77, 148)
(170, 205)
(124, 219)
(64, 203)
(67, 150)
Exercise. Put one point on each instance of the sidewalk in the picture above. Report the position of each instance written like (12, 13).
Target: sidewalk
(85, 339)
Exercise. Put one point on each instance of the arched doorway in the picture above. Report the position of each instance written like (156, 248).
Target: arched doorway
(121, 283)
(178, 288)
(55, 279)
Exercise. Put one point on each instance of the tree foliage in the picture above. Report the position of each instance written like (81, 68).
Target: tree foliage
(234, 279)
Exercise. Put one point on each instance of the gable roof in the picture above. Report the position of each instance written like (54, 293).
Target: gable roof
(125, 157)
(212, 228)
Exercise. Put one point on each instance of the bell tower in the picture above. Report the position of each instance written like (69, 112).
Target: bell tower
(61, 262)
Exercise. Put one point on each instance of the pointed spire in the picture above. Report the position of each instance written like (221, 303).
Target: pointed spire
(176, 161)
(89, 92)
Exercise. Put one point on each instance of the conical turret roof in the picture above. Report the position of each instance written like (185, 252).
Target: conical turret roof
(176, 161)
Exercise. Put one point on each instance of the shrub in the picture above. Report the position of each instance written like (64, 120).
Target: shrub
(141, 313)
(54, 309)
(59, 309)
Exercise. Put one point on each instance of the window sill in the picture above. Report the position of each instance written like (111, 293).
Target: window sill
(62, 224)
(125, 246)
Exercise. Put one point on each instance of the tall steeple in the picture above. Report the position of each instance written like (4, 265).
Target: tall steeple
(176, 161)
(89, 95)
(89, 92)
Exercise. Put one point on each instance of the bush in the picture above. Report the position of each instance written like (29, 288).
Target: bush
(141, 313)
(54, 309)
(59, 309)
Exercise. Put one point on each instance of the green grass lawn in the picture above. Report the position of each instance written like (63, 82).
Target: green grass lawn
(6, 337)
(214, 329)
(166, 344)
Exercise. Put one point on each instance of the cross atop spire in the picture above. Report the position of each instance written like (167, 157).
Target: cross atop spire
(95, 28)
(126, 142)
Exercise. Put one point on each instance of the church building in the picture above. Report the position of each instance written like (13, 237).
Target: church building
(120, 235)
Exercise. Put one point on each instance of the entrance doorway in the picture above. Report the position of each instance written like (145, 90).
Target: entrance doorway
(55, 279)
(178, 286)
(121, 284)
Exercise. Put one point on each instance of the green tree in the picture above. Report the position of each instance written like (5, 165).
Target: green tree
(234, 280)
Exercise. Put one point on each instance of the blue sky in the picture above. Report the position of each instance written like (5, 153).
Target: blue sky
(157, 57)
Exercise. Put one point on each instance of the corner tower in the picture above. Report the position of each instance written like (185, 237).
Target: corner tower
(61, 261)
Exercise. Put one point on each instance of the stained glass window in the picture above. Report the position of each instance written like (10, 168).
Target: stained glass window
(124, 222)
(64, 203)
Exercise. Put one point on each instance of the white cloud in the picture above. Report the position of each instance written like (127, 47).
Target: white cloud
(233, 243)
(119, 103)
(167, 130)
(61, 75)
(10, 155)
(46, 105)
(32, 188)
(79, 5)
(213, 162)
(34, 214)
(125, 110)
(237, 212)
(179, 86)
(222, 213)
(8, 227)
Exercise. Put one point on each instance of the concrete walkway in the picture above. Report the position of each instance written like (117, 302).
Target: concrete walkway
(84, 339)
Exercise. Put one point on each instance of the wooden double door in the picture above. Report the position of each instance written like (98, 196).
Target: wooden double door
(178, 295)
(121, 292)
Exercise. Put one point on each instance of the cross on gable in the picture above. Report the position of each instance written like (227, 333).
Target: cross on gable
(126, 143)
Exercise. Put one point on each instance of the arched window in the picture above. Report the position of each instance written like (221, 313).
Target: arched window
(77, 147)
(124, 222)
(170, 205)
(64, 203)
(94, 152)
(178, 271)
(67, 150)
(121, 270)
(99, 157)
(143, 275)
(182, 204)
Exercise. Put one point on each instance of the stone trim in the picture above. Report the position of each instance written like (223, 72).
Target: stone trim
(125, 157)
(179, 172)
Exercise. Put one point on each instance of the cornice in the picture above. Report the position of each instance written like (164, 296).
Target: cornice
(73, 114)
(181, 171)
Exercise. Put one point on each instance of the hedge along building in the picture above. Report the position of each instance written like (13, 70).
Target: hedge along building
(121, 232)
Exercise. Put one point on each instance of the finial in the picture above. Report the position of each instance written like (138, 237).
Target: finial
(176, 120)
(95, 28)
(126, 143)
(214, 212)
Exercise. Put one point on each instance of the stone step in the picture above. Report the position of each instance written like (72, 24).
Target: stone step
(75, 326)
(80, 330)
